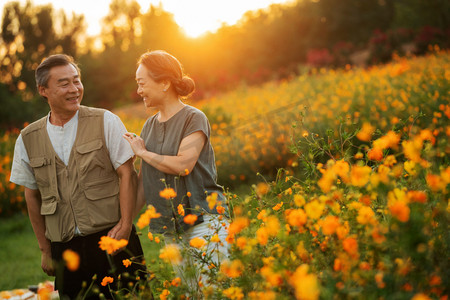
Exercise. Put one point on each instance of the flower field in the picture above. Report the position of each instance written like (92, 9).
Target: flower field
(349, 173)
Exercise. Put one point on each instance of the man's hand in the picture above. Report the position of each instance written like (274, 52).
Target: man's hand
(47, 264)
(120, 231)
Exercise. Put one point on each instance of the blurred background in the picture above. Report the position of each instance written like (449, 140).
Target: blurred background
(277, 42)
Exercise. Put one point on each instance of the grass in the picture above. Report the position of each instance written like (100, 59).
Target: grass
(20, 257)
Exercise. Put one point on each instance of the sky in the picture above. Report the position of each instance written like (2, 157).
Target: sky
(194, 16)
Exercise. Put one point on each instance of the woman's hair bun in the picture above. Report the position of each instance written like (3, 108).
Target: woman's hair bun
(184, 86)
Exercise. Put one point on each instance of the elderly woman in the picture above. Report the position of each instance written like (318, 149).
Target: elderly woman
(176, 153)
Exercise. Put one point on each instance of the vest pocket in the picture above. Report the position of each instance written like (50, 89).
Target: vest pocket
(42, 173)
(48, 206)
(104, 204)
(91, 160)
(53, 225)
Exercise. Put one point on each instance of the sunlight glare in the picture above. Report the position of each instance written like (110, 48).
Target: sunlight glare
(197, 17)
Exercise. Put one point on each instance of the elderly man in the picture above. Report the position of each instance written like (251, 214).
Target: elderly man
(80, 184)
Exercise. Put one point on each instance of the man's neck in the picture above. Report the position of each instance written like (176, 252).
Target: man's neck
(60, 119)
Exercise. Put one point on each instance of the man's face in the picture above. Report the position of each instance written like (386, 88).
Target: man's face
(64, 90)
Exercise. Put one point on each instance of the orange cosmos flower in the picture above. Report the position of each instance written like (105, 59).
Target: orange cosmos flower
(400, 210)
(330, 224)
(365, 134)
(176, 281)
(350, 246)
(262, 188)
(296, 217)
(111, 245)
(190, 219)
(417, 196)
(150, 236)
(164, 294)
(180, 209)
(171, 253)
(379, 280)
(145, 218)
(168, 193)
(435, 182)
(390, 140)
(365, 216)
(72, 259)
(188, 194)
(241, 242)
(278, 206)
(126, 263)
(262, 236)
(220, 209)
(107, 280)
(197, 242)
(232, 269)
(238, 225)
(375, 154)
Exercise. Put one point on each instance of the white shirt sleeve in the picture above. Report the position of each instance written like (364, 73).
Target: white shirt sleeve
(21, 171)
(119, 149)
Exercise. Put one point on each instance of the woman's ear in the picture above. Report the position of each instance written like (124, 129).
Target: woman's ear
(166, 85)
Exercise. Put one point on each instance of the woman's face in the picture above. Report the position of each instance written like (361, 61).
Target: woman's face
(151, 91)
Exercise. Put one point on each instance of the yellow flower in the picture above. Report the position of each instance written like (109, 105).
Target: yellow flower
(234, 293)
(306, 285)
(111, 245)
(299, 200)
(171, 253)
(215, 238)
(359, 176)
(212, 200)
(107, 280)
(314, 209)
(72, 259)
(168, 193)
(197, 242)
(262, 235)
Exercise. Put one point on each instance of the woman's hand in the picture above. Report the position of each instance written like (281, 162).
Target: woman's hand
(136, 142)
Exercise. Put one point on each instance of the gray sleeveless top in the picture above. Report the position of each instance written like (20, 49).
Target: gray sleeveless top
(164, 138)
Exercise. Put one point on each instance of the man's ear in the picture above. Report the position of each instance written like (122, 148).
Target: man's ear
(42, 91)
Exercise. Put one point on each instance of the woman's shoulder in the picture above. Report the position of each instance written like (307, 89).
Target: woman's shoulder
(191, 110)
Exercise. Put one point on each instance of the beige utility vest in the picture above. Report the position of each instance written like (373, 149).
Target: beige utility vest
(86, 192)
